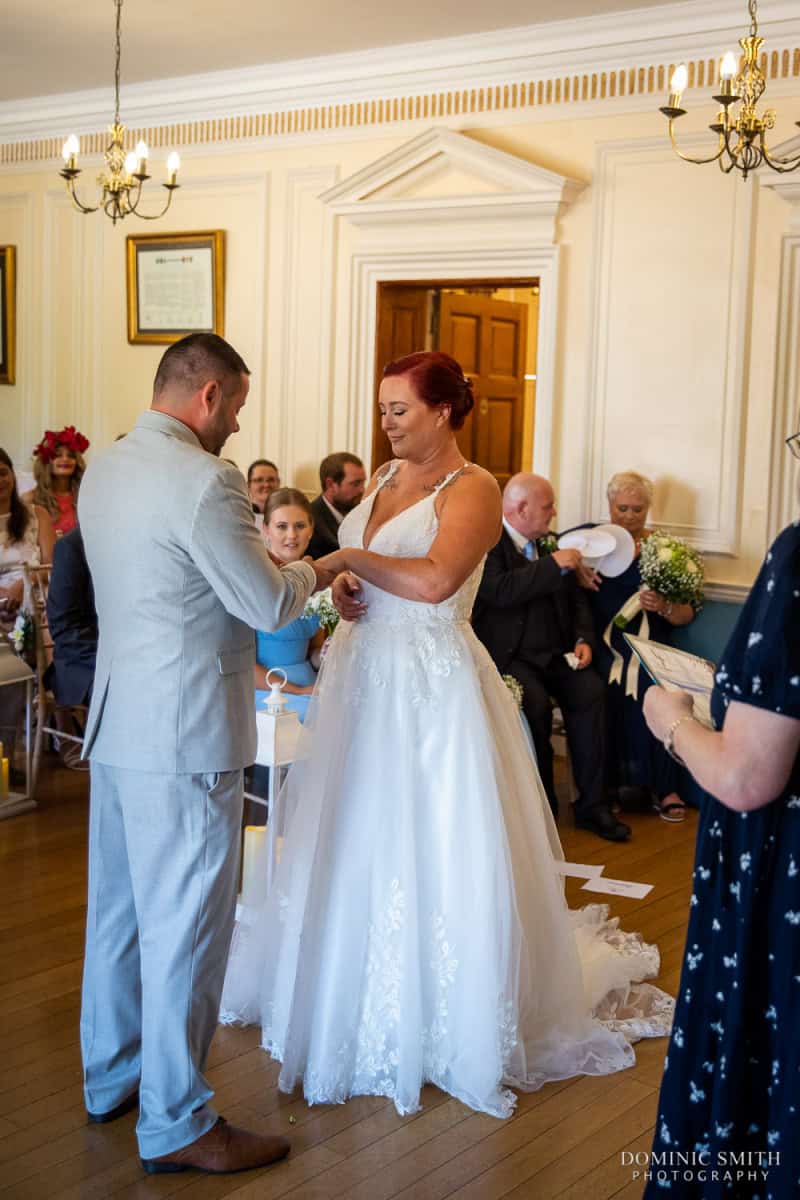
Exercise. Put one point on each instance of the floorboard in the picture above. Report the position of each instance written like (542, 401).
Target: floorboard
(565, 1141)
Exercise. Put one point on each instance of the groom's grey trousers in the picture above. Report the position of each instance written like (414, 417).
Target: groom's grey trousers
(163, 873)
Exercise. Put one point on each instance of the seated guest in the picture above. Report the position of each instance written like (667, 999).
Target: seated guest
(58, 468)
(342, 478)
(530, 613)
(26, 537)
(639, 770)
(263, 478)
(288, 525)
(72, 619)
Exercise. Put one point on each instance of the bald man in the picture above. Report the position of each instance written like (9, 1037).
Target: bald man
(530, 614)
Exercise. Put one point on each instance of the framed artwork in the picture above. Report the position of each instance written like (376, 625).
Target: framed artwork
(176, 285)
(8, 313)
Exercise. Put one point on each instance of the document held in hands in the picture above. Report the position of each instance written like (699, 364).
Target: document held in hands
(677, 671)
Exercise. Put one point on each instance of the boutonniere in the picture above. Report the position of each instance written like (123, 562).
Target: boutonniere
(547, 544)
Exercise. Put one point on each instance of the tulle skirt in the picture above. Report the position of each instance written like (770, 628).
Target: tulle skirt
(415, 929)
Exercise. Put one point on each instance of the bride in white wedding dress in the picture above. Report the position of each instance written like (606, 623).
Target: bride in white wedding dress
(416, 929)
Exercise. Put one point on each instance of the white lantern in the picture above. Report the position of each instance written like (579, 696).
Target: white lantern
(278, 727)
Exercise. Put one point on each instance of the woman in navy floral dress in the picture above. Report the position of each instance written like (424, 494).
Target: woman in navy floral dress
(731, 1083)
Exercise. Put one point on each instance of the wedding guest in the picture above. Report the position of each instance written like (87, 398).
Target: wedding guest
(342, 478)
(638, 770)
(288, 526)
(263, 477)
(72, 621)
(531, 615)
(732, 1077)
(26, 537)
(58, 468)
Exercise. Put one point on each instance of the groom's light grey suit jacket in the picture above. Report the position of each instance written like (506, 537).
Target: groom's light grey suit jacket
(181, 579)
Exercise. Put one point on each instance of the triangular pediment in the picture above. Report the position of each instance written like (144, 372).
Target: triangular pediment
(441, 171)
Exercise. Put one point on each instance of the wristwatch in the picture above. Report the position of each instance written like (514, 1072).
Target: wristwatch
(669, 738)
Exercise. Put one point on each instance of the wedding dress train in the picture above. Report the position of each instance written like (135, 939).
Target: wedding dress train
(416, 929)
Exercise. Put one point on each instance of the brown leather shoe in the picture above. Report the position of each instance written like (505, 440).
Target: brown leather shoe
(224, 1149)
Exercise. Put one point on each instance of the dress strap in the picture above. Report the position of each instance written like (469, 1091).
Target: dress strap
(448, 479)
(387, 475)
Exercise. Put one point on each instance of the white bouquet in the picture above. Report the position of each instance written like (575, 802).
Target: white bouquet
(21, 636)
(321, 605)
(515, 687)
(670, 567)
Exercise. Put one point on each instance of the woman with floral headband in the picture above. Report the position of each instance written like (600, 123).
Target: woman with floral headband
(58, 468)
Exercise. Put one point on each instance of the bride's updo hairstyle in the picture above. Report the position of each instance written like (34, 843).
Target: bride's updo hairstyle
(437, 379)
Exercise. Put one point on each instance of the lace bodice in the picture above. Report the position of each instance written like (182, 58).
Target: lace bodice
(409, 534)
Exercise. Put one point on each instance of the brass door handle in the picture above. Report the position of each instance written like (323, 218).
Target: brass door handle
(483, 407)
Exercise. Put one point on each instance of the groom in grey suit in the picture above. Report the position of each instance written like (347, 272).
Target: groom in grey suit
(181, 578)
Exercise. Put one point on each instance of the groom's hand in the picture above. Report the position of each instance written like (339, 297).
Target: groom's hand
(346, 593)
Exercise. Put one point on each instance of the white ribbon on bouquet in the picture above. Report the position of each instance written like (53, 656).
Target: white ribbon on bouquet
(630, 608)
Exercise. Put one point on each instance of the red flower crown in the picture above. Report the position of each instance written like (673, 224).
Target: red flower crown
(68, 436)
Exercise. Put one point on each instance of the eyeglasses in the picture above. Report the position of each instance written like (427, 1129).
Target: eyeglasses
(793, 443)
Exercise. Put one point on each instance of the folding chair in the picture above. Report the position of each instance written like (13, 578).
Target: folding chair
(46, 709)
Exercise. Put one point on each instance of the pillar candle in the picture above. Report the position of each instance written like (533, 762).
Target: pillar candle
(3, 779)
(254, 879)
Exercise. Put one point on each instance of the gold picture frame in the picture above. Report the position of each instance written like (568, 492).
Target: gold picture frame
(176, 285)
(8, 313)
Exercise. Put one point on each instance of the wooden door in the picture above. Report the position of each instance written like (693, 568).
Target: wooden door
(402, 329)
(488, 337)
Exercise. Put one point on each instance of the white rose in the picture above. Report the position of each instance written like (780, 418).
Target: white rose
(665, 554)
(692, 567)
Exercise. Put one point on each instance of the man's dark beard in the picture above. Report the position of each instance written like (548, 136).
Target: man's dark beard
(345, 506)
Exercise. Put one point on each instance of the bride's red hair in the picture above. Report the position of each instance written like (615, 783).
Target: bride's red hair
(437, 379)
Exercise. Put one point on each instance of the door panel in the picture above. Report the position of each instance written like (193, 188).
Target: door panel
(402, 329)
(488, 338)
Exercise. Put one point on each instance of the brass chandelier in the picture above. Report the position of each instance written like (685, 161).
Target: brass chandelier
(121, 182)
(741, 131)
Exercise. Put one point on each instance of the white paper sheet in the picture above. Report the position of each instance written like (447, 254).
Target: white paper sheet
(579, 870)
(617, 887)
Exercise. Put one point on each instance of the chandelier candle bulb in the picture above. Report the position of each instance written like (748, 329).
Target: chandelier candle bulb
(677, 85)
(69, 151)
(131, 163)
(173, 166)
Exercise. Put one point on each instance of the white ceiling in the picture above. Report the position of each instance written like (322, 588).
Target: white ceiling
(53, 46)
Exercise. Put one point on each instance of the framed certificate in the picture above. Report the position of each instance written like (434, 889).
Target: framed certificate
(176, 285)
(8, 313)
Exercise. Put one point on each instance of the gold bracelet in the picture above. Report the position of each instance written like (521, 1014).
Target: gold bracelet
(669, 738)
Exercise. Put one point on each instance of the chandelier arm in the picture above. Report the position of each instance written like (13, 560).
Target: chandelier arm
(74, 195)
(155, 216)
(687, 157)
(782, 165)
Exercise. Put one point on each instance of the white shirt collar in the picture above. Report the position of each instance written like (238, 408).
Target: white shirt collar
(519, 539)
(338, 516)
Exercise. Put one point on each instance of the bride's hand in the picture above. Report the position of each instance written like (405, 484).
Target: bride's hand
(345, 594)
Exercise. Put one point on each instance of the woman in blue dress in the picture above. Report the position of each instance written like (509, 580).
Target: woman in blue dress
(731, 1082)
(637, 766)
(288, 526)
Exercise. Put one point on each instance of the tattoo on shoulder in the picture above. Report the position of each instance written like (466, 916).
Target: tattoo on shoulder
(453, 478)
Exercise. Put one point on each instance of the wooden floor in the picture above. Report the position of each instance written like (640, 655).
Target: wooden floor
(565, 1140)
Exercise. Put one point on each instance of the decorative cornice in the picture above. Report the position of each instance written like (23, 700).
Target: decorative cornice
(623, 60)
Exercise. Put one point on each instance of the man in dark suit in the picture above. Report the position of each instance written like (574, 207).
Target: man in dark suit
(342, 478)
(531, 615)
(72, 620)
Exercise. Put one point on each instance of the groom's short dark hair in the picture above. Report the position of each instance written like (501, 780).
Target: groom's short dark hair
(194, 360)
